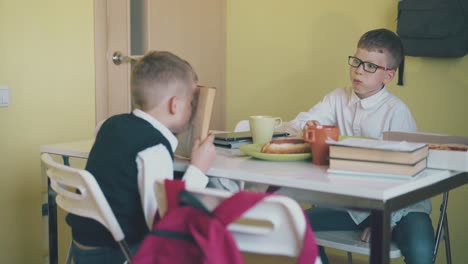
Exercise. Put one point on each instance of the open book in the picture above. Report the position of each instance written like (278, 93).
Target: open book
(199, 125)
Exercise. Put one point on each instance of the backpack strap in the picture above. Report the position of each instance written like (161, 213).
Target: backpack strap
(173, 188)
(233, 207)
(309, 251)
(186, 198)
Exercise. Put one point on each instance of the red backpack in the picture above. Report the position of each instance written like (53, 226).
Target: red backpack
(190, 233)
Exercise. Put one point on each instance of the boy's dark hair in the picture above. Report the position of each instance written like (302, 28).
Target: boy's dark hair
(154, 76)
(383, 40)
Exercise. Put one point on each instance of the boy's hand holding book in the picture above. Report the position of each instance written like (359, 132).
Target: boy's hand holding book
(203, 153)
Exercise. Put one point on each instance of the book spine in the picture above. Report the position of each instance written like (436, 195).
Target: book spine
(377, 167)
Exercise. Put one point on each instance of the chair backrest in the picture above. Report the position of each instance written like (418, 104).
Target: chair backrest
(242, 126)
(89, 201)
(276, 225)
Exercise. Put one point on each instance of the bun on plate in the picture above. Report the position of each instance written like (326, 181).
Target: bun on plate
(286, 146)
(456, 147)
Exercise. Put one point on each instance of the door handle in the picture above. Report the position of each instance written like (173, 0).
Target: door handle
(118, 58)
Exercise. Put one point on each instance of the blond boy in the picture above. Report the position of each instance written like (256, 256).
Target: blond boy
(133, 150)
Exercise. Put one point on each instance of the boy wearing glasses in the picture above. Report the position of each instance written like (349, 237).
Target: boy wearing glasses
(368, 109)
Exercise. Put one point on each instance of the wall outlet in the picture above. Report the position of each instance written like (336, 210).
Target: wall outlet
(4, 96)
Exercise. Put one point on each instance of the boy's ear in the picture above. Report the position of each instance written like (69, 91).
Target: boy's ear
(389, 75)
(173, 105)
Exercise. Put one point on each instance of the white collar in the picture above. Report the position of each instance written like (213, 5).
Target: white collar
(159, 126)
(371, 101)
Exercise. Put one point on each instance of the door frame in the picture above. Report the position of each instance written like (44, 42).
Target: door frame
(100, 49)
(112, 95)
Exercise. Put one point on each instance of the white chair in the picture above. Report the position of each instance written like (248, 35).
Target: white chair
(242, 125)
(89, 202)
(282, 227)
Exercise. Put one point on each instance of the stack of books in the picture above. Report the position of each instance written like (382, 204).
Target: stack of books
(377, 157)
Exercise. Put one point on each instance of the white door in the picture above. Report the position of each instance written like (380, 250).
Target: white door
(194, 30)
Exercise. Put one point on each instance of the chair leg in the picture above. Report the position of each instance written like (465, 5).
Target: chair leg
(126, 251)
(442, 226)
(69, 254)
(350, 257)
(448, 253)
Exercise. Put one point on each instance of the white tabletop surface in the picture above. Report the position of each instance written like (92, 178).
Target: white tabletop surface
(295, 174)
(77, 149)
(303, 175)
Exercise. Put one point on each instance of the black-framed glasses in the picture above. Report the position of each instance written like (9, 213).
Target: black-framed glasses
(367, 66)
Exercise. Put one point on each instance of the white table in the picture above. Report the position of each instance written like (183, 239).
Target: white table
(313, 183)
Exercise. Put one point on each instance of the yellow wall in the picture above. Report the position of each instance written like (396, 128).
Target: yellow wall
(284, 56)
(47, 60)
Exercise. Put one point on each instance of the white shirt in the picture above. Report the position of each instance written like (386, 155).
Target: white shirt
(368, 117)
(156, 163)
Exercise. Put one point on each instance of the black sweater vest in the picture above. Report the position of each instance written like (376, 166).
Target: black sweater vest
(112, 161)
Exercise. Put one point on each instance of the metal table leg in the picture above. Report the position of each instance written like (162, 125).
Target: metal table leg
(443, 231)
(380, 238)
(52, 216)
(448, 253)
(52, 210)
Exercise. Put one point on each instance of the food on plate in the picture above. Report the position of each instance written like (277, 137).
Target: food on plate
(456, 147)
(286, 146)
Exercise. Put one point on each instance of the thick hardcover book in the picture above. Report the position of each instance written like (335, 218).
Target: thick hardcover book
(199, 125)
(377, 168)
(379, 150)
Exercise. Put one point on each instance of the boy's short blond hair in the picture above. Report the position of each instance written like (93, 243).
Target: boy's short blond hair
(384, 41)
(157, 75)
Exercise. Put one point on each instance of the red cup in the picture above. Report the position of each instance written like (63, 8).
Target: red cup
(316, 136)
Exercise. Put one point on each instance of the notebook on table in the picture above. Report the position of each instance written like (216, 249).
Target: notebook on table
(237, 139)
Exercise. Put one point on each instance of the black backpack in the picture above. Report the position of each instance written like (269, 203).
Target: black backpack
(433, 28)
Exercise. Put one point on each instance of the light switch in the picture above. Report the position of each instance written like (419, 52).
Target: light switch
(4, 96)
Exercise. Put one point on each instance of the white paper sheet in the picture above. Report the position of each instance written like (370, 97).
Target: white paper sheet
(377, 144)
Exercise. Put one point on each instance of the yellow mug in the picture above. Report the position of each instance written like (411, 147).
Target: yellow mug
(262, 127)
